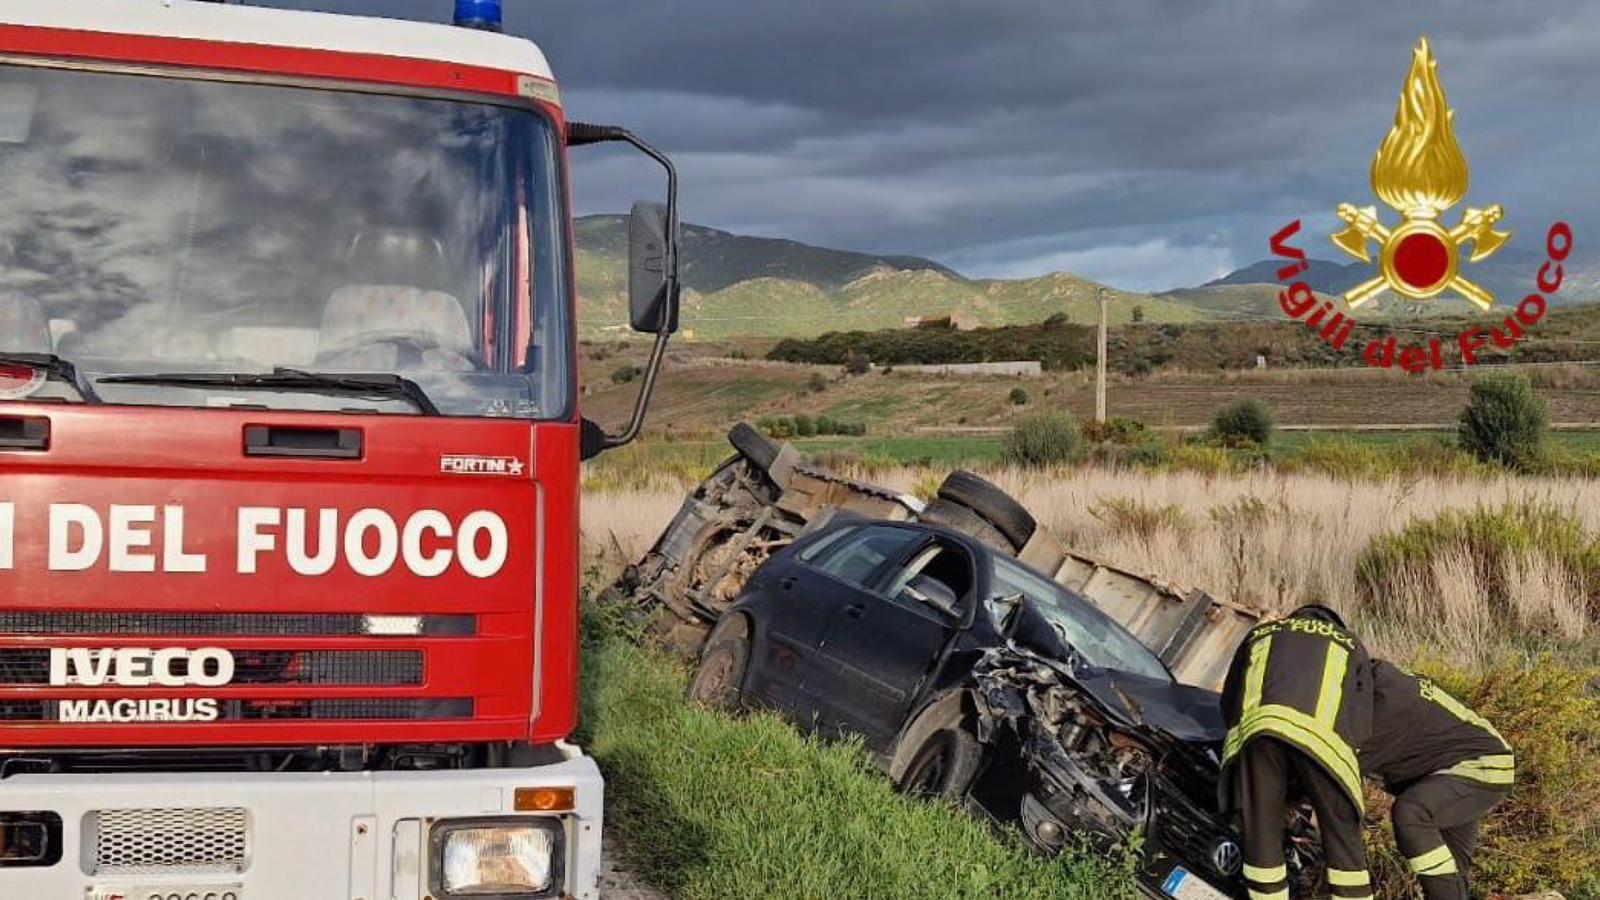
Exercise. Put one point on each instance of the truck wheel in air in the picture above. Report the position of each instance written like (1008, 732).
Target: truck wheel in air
(1008, 516)
(755, 446)
(954, 516)
(719, 679)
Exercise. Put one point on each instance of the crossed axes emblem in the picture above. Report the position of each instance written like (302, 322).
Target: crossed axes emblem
(1476, 228)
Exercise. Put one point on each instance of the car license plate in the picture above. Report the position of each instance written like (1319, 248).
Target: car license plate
(1185, 885)
(169, 892)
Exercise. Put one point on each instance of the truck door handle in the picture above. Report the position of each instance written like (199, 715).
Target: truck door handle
(24, 433)
(855, 610)
(303, 443)
(786, 583)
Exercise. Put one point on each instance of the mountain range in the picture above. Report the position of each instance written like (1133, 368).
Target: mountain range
(738, 285)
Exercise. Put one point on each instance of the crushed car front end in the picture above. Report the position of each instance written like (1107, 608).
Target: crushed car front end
(1092, 768)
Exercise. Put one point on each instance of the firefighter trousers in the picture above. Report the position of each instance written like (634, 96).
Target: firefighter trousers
(1436, 825)
(1267, 771)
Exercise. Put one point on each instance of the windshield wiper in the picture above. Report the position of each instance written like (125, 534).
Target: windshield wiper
(51, 364)
(371, 386)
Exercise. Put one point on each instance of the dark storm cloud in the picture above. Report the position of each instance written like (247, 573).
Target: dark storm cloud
(1148, 142)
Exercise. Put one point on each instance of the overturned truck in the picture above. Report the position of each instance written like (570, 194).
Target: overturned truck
(764, 497)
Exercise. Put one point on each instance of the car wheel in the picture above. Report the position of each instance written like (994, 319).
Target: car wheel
(1008, 516)
(944, 765)
(719, 679)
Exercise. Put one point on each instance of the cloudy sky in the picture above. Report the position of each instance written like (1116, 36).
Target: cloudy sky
(1145, 143)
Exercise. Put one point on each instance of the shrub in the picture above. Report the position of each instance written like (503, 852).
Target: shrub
(1018, 397)
(826, 425)
(1496, 541)
(738, 354)
(817, 383)
(1245, 420)
(1504, 421)
(1138, 314)
(777, 426)
(857, 364)
(1205, 458)
(1135, 518)
(1546, 835)
(624, 374)
(1043, 440)
(1117, 431)
(803, 426)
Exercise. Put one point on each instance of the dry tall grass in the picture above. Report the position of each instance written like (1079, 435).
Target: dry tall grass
(1268, 539)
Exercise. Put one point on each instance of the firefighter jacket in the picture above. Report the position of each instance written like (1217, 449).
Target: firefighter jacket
(1419, 730)
(1305, 682)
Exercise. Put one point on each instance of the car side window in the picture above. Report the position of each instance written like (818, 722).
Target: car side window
(857, 558)
(938, 579)
(810, 554)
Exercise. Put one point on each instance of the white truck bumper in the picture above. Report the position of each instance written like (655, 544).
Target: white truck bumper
(306, 836)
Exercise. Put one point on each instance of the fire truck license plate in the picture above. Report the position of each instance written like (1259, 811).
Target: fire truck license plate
(169, 892)
(1183, 885)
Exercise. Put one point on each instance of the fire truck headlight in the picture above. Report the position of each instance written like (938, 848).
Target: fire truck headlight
(501, 858)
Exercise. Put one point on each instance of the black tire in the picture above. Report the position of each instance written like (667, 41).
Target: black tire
(944, 765)
(761, 450)
(718, 681)
(1004, 513)
(959, 518)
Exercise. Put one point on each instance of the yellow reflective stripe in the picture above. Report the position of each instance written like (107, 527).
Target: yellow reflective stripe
(1256, 673)
(1274, 895)
(1266, 874)
(1349, 877)
(1494, 769)
(1309, 735)
(1437, 861)
(1442, 699)
(1332, 695)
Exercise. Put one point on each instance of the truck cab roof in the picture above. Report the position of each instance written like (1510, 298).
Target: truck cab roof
(226, 23)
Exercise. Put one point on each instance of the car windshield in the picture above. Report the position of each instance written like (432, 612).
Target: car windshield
(1100, 641)
(156, 225)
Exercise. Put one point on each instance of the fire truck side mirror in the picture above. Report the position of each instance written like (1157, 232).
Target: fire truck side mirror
(652, 287)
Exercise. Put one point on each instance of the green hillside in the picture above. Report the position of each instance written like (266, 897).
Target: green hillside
(762, 287)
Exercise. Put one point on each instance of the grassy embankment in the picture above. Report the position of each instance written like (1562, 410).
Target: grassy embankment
(713, 807)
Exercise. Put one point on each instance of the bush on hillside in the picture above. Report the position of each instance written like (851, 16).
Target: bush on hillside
(817, 383)
(1050, 439)
(804, 426)
(1504, 420)
(1245, 420)
(1018, 397)
(857, 364)
(625, 374)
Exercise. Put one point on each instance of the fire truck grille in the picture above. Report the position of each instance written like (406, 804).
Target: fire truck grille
(218, 624)
(31, 666)
(357, 709)
(169, 841)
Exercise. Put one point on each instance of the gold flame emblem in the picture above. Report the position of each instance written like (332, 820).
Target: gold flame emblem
(1420, 171)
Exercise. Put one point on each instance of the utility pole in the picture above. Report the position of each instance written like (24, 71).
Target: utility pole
(1100, 362)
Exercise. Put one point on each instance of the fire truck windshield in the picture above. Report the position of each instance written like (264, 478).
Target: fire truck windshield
(155, 225)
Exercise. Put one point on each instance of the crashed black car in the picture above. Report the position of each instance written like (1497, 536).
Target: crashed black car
(973, 677)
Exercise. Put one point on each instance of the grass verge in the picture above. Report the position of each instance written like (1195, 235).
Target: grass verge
(714, 807)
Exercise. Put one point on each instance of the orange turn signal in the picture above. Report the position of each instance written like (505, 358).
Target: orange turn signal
(546, 799)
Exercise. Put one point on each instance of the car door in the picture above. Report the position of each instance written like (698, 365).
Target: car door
(878, 650)
(803, 595)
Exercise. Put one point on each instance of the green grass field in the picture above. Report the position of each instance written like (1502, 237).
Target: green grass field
(716, 807)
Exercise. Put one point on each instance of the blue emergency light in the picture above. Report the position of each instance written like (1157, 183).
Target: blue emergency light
(482, 14)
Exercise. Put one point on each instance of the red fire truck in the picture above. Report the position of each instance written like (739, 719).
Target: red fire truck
(289, 454)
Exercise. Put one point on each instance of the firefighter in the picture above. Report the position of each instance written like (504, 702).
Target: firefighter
(1298, 704)
(1446, 767)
